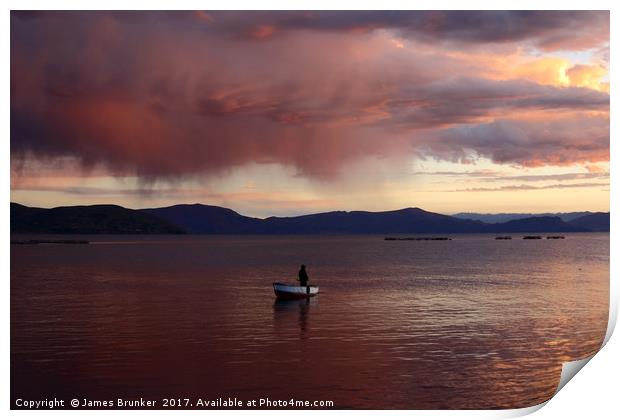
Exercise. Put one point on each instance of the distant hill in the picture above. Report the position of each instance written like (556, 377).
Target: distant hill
(506, 217)
(198, 218)
(205, 219)
(535, 224)
(595, 222)
(99, 219)
(201, 219)
(409, 220)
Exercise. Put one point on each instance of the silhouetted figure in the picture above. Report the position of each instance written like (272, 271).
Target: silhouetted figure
(303, 276)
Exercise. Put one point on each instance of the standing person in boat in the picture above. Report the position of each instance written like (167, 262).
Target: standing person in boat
(303, 276)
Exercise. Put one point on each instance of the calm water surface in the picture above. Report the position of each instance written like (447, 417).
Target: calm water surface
(467, 323)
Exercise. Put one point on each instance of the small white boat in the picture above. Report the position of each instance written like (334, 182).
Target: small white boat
(287, 291)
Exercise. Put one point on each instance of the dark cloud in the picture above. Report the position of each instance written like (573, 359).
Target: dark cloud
(562, 141)
(460, 100)
(168, 94)
(548, 30)
(544, 29)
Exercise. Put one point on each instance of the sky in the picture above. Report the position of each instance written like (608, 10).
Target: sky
(288, 113)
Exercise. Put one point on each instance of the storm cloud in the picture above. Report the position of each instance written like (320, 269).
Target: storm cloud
(170, 94)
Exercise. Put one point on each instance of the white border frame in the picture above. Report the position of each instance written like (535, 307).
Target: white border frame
(593, 394)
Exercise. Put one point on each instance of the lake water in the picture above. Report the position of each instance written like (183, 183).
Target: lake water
(468, 323)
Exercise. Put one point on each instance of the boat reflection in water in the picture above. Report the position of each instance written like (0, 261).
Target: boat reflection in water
(287, 312)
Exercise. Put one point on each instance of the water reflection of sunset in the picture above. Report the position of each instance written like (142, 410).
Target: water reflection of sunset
(468, 323)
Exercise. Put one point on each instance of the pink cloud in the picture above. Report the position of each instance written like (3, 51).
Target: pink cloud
(176, 94)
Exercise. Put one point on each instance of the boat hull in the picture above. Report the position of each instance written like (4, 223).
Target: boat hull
(286, 291)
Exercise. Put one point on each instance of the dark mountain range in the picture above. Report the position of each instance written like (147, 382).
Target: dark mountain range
(409, 220)
(595, 222)
(204, 219)
(506, 217)
(535, 224)
(201, 219)
(99, 219)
